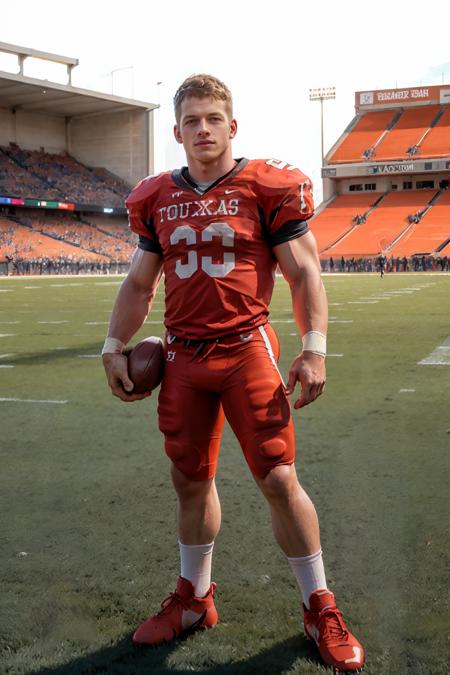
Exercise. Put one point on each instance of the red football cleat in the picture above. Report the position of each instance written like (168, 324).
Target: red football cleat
(167, 624)
(324, 624)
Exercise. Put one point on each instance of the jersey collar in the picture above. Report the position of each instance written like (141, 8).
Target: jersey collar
(182, 178)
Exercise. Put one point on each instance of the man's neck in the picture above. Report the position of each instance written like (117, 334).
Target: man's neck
(209, 172)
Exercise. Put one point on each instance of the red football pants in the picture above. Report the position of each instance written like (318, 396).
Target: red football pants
(237, 379)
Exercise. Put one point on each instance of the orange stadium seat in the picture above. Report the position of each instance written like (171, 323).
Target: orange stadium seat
(437, 141)
(114, 226)
(406, 133)
(363, 136)
(430, 233)
(20, 242)
(89, 238)
(337, 218)
(383, 225)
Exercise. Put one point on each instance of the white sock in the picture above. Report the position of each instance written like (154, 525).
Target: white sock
(196, 566)
(310, 574)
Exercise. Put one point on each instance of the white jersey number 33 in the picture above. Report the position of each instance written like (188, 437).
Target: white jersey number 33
(189, 235)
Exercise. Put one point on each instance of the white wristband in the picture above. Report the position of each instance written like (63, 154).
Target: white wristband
(315, 342)
(112, 346)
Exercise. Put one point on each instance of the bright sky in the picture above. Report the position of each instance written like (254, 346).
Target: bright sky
(268, 52)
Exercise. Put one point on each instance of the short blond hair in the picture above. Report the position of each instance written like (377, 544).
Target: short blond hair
(202, 86)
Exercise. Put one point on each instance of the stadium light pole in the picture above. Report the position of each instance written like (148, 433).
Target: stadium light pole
(116, 70)
(322, 94)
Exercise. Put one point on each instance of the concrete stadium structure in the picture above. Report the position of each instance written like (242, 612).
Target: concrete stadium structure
(96, 128)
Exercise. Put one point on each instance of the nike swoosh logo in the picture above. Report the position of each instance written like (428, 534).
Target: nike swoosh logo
(313, 632)
(356, 658)
(196, 624)
(229, 192)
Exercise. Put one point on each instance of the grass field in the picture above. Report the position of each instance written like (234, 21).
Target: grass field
(88, 546)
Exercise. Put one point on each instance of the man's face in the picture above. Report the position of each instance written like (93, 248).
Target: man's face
(204, 128)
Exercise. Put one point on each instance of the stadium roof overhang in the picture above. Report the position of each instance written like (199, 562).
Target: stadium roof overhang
(18, 92)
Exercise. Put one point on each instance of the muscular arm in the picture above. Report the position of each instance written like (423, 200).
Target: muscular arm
(299, 263)
(130, 310)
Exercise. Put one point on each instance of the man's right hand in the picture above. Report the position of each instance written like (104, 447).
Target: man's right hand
(116, 368)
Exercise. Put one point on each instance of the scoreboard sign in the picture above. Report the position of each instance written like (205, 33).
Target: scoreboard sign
(389, 98)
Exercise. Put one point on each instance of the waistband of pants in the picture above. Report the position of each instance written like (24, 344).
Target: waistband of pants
(190, 343)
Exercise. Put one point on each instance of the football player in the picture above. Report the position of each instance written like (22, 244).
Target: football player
(217, 228)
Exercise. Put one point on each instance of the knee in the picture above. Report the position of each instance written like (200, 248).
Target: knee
(280, 484)
(189, 490)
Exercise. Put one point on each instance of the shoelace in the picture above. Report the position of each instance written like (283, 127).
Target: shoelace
(332, 624)
(171, 599)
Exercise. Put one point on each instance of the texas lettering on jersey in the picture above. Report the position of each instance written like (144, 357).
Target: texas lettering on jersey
(217, 245)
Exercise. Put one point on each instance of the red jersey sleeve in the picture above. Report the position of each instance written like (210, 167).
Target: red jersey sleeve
(140, 205)
(285, 198)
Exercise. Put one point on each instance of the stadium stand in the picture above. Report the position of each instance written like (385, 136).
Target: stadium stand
(113, 226)
(63, 178)
(401, 142)
(430, 234)
(65, 227)
(386, 184)
(67, 163)
(19, 242)
(383, 225)
(16, 181)
(340, 217)
(437, 141)
(364, 135)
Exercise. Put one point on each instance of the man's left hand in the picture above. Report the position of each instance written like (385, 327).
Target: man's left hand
(308, 369)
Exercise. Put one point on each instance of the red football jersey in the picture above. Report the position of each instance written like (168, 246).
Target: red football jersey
(217, 244)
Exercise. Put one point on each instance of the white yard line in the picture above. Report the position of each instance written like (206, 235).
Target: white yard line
(362, 302)
(7, 335)
(406, 391)
(28, 400)
(439, 356)
(6, 365)
(55, 322)
(5, 356)
(341, 321)
(10, 323)
(96, 323)
(89, 356)
(64, 285)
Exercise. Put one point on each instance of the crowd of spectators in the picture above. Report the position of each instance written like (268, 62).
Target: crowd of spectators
(15, 181)
(41, 175)
(44, 242)
(59, 265)
(67, 228)
(114, 226)
(422, 263)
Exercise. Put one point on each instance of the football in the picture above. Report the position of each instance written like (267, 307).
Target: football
(146, 364)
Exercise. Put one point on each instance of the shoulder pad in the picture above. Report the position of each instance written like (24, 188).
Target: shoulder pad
(146, 188)
(277, 174)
